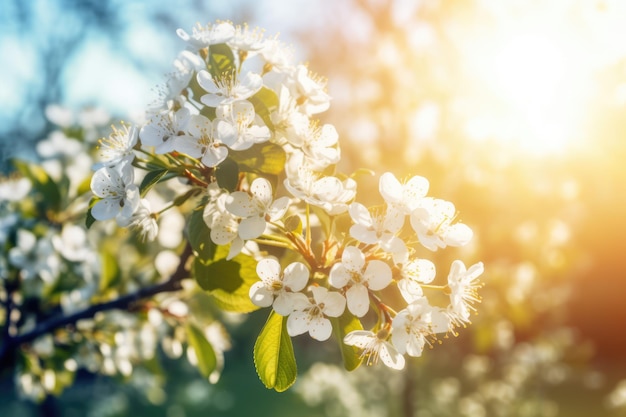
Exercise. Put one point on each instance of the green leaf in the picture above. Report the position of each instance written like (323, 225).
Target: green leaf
(110, 272)
(90, 220)
(293, 224)
(228, 281)
(227, 174)
(264, 158)
(205, 354)
(341, 327)
(199, 236)
(264, 102)
(50, 195)
(149, 181)
(274, 359)
(221, 60)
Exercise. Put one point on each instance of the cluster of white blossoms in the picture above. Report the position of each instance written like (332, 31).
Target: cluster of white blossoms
(380, 253)
(236, 120)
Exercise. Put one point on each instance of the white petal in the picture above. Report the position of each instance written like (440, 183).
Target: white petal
(296, 276)
(268, 269)
(390, 188)
(339, 276)
(260, 295)
(240, 204)
(252, 227)
(400, 338)
(363, 234)
(105, 209)
(261, 189)
(410, 290)
(214, 156)
(353, 259)
(391, 357)
(358, 300)
(359, 338)
(377, 274)
(297, 323)
(207, 83)
(188, 145)
(334, 304)
(236, 246)
(288, 302)
(360, 214)
(278, 208)
(320, 328)
(225, 132)
(458, 234)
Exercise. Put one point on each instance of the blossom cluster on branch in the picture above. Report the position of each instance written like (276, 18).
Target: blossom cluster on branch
(235, 123)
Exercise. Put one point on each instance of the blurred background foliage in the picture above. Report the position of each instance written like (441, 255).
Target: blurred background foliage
(512, 109)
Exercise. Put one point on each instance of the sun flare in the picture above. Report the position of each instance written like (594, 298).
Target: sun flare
(533, 84)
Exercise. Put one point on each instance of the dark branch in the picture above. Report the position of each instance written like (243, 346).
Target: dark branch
(11, 343)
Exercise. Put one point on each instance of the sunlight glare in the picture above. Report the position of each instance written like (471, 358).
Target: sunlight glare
(535, 83)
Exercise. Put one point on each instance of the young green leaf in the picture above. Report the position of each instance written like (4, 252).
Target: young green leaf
(227, 175)
(342, 326)
(266, 158)
(221, 60)
(274, 359)
(90, 220)
(264, 101)
(50, 195)
(199, 237)
(205, 354)
(149, 181)
(228, 281)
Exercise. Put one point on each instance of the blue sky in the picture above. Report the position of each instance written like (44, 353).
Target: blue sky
(100, 73)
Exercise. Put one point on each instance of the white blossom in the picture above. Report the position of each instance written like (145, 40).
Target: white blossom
(432, 221)
(241, 117)
(278, 288)
(211, 34)
(206, 140)
(414, 272)
(375, 346)
(312, 318)
(329, 193)
(379, 229)
(359, 277)
(228, 87)
(416, 325)
(118, 196)
(256, 208)
(402, 196)
(464, 287)
(118, 147)
(162, 128)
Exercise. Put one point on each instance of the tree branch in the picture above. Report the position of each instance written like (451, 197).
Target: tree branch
(11, 343)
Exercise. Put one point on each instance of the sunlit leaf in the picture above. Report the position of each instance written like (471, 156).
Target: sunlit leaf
(90, 220)
(227, 175)
(274, 359)
(264, 102)
(205, 354)
(221, 60)
(265, 158)
(50, 195)
(199, 237)
(293, 224)
(228, 281)
(110, 272)
(341, 327)
(151, 178)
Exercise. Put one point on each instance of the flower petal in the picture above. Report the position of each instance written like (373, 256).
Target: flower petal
(377, 275)
(358, 300)
(296, 276)
(268, 269)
